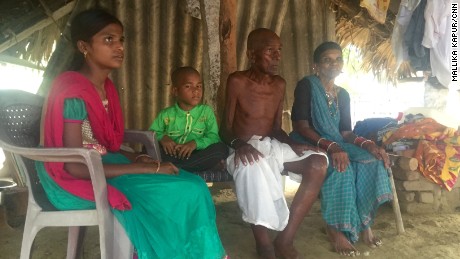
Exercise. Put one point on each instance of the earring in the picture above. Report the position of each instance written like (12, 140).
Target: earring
(315, 72)
(85, 53)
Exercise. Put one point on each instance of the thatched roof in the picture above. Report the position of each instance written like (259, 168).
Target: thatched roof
(356, 27)
(29, 29)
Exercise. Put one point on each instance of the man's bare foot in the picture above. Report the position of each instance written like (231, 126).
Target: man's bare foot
(371, 240)
(285, 251)
(341, 243)
(265, 252)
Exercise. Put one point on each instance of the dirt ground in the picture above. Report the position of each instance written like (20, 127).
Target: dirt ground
(427, 236)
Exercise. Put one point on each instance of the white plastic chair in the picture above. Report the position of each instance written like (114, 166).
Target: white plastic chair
(20, 114)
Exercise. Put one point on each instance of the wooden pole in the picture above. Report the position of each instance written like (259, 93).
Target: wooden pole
(396, 208)
(227, 39)
(210, 10)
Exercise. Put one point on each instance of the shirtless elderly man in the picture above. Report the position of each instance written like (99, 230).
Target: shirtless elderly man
(261, 150)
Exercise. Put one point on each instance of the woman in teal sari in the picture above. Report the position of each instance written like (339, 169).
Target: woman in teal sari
(357, 180)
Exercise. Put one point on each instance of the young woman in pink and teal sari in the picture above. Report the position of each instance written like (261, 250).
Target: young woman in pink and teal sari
(166, 212)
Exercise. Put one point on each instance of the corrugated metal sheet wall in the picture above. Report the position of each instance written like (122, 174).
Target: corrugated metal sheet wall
(161, 35)
(307, 24)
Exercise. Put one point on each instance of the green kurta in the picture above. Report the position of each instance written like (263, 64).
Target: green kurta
(181, 126)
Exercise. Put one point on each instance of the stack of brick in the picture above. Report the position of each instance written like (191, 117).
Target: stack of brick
(418, 195)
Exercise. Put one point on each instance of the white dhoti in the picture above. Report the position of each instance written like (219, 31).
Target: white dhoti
(259, 187)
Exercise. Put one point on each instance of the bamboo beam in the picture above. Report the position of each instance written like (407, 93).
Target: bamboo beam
(19, 62)
(210, 10)
(38, 26)
(227, 38)
(396, 209)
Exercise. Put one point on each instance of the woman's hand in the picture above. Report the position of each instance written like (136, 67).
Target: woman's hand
(157, 167)
(184, 151)
(144, 158)
(247, 154)
(168, 145)
(340, 160)
(300, 148)
(167, 168)
(378, 152)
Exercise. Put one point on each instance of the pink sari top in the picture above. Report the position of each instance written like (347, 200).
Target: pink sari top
(107, 126)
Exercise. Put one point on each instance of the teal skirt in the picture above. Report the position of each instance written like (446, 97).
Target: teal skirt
(172, 216)
(350, 199)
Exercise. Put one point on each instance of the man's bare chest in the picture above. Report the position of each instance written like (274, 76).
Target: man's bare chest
(260, 104)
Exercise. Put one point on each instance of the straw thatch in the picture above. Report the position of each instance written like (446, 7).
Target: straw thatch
(355, 27)
(30, 28)
(31, 37)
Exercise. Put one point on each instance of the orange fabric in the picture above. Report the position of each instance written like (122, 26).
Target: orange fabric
(426, 128)
(438, 152)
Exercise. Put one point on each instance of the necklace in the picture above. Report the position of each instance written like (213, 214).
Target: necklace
(105, 103)
(332, 101)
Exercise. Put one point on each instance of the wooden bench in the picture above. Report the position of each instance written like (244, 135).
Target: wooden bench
(209, 176)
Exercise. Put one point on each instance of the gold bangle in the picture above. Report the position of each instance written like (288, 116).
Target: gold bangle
(332, 143)
(359, 140)
(367, 140)
(158, 167)
(232, 142)
(141, 155)
(319, 140)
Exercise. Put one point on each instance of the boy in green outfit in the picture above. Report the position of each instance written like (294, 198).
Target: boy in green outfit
(187, 131)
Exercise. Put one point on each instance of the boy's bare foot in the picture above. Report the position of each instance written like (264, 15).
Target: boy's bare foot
(371, 240)
(285, 251)
(341, 243)
(266, 252)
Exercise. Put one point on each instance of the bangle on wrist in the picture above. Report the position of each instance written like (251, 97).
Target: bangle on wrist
(318, 142)
(141, 156)
(324, 144)
(332, 143)
(367, 140)
(359, 140)
(158, 167)
(233, 142)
